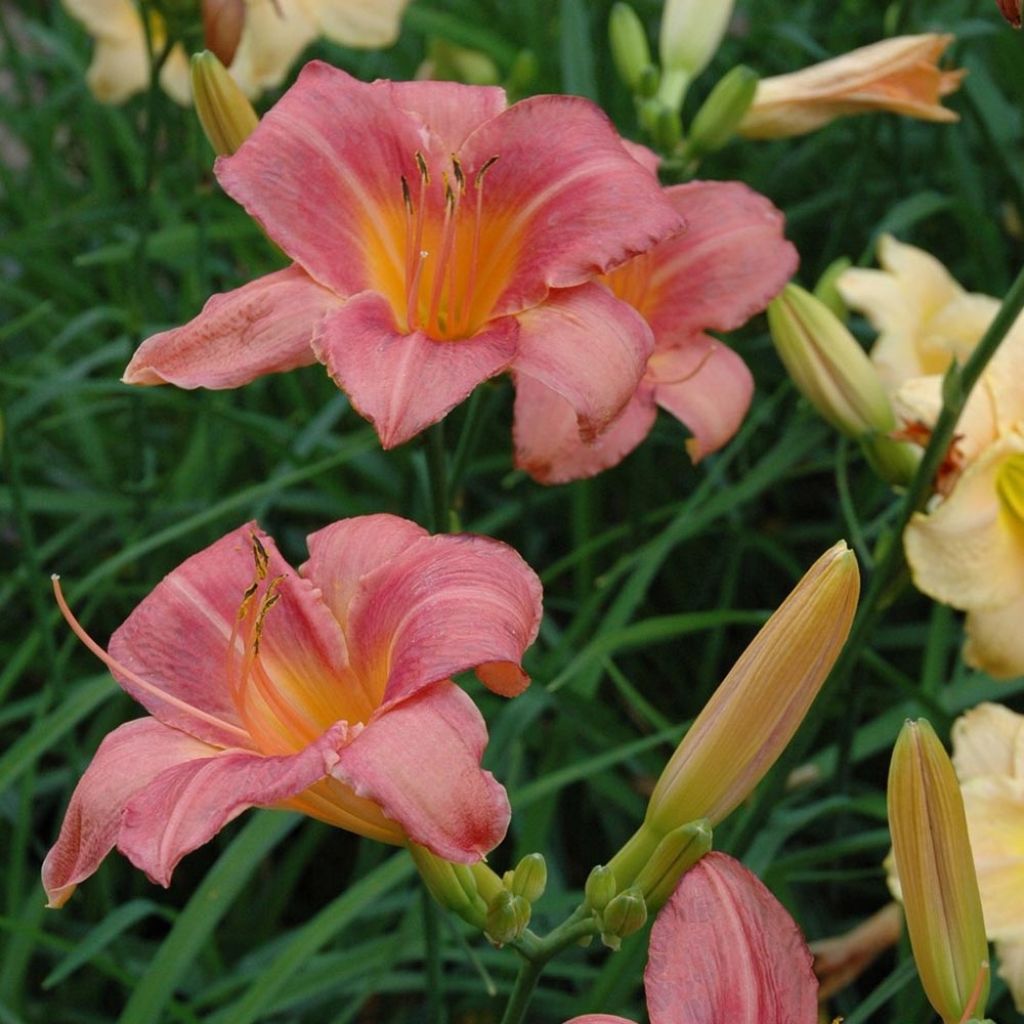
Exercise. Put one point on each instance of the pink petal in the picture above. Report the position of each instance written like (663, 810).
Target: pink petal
(599, 1018)
(447, 604)
(128, 759)
(728, 264)
(448, 109)
(724, 949)
(402, 383)
(706, 386)
(178, 638)
(188, 804)
(420, 761)
(573, 201)
(263, 327)
(322, 168)
(588, 347)
(547, 436)
(341, 554)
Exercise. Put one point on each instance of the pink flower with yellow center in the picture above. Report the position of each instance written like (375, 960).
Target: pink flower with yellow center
(326, 691)
(724, 949)
(439, 238)
(731, 261)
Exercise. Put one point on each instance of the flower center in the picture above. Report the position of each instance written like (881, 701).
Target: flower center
(632, 282)
(443, 256)
(1010, 486)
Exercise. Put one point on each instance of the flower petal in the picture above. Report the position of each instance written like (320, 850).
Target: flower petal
(275, 32)
(420, 761)
(599, 1018)
(731, 261)
(187, 805)
(724, 949)
(995, 640)
(128, 759)
(362, 23)
(706, 386)
(402, 383)
(988, 740)
(967, 552)
(322, 173)
(588, 347)
(263, 327)
(341, 554)
(449, 110)
(547, 435)
(572, 202)
(447, 604)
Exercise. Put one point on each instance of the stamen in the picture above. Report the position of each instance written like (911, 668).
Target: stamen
(447, 244)
(460, 178)
(260, 557)
(415, 253)
(115, 666)
(421, 163)
(466, 306)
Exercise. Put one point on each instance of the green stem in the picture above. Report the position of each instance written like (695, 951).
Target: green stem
(437, 469)
(432, 944)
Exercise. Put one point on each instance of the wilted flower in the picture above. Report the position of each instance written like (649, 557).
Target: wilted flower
(900, 75)
(439, 239)
(258, 40)
(723, 269)
(724, 949)
(936, 875)
(326, 691)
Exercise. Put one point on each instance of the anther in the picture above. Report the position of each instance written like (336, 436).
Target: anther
(421, 163)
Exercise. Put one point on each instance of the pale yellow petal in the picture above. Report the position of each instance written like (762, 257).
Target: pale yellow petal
(995, 821)
(119, 69)
(359, 23)
(985, 740)
(969, 552)
(1004, 379)
(107, 19)
(275, 34)
(175, 76)
(995, 640)
(959, 325)
(1011, 969)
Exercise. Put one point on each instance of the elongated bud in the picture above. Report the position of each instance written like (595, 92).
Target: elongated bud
(530, 877)
(507, 917)
(937, 877)
(762, 701)
(1012, 10)
(626, 914)
(600, 888)
(223, 21)
(668, 130)
(827, 289)
(825, 362)
(894, 461)
(717, 120)
(224, 112)
(672, 858)
(630, 52)
(691, 31)
(452, 885)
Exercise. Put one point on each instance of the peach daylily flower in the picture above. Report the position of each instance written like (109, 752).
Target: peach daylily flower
(273, 35)
(440, 238)
(326, 691)
(724, 949)
(988, 754)
(900, 75)
(727, 266)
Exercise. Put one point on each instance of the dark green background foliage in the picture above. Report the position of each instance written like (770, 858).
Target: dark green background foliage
(656, 573)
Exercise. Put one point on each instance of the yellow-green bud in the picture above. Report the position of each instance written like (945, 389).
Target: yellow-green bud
(452, 885)
(507, 917)
(530, 877)
(600, 888)
(626, 914)
(827, 364)
(717, 120)
(672, 858)
(224, 112)
(649, 82)
(826, 291)
(667, 130)
(691, 31)
(630, 52)
(894, 461)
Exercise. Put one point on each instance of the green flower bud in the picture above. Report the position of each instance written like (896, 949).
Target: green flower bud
(530, 877)
(672, 858)
(626, 914)
(717, 120)
(600, 888)
(667, 130)
(225, 113)
(507, 917)
(826, 291)
(628, 38)
(454, 886)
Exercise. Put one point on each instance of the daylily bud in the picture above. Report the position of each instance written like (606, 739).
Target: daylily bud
(691, 31)
(626, 914)
(452, 885)
(895, 462)
(672, 858)
(667, 130)
(600, 888)
(507, 917)
(628, 38)
(1012, 10)
(223, 21)
(828, 365)
(649, 82)
(530, 877)
(226, 115)
(937, 876)
(717, 120)
(827, 289)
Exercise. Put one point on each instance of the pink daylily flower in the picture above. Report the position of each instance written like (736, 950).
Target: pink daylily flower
(724, 951)
(439, 238)
(326, 691)
(728, 265)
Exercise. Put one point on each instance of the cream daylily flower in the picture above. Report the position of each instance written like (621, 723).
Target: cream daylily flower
(988, 754)
(923, 316)
(274, 34)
